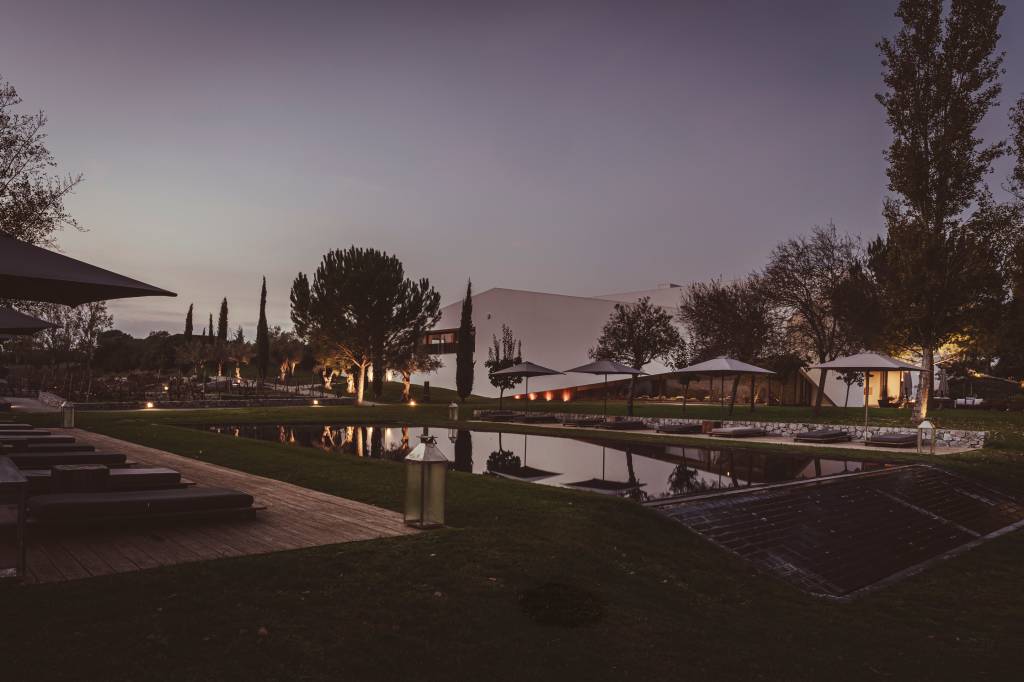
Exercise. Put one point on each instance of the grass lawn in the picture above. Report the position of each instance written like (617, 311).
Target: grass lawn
(636, 595)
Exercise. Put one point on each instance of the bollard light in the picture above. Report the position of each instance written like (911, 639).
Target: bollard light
(67, 415)
(453, 411)
(426, 472)
(924, 429)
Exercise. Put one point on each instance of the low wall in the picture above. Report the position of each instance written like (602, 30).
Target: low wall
(949, 438)
(199, 404)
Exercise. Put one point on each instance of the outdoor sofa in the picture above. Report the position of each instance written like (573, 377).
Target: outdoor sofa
(823, 436)
(738, 432)
(893, 440)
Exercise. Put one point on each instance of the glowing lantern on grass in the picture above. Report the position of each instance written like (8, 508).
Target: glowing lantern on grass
(426, 473)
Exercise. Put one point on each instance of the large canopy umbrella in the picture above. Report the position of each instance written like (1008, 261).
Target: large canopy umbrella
(31, 273)
(867, 363)
(723, 366)
(605, 367)
(527, 370)
(14, 323)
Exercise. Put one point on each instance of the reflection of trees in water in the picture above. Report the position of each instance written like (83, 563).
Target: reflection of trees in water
(683, 479)
(503, 460)
(464, 451)
(634, 492)
(376, 442)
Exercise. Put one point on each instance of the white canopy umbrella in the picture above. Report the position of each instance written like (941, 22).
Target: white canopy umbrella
(867, 363)
(605, 367)
(722, 366)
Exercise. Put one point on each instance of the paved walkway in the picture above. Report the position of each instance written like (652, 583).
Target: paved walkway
(295, 517)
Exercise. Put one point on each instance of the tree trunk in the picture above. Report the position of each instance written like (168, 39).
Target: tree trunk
(406, 386)
(686, 392)
(361, 384)
(501, 396)
(629, 400)
(753, 385)
(847, 403)
(924, 386)
(732, 398)
(821, 391)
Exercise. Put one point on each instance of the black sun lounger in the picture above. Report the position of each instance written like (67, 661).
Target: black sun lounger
(623, 425)
(45, 460)
(27, 431)
(71, 507)
(118, 480)
(20, 443)
(679, 428)
(893, 440)
(823, 436)
(53, 447)
(13, 426)
(738, 432)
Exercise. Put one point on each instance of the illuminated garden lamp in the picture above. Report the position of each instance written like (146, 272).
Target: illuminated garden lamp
(426, 473)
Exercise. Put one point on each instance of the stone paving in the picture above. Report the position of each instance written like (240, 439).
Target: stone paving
(837, 537)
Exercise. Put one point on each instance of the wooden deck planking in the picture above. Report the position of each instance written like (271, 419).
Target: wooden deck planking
(295, 518)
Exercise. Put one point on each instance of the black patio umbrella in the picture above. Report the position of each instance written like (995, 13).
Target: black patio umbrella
(14, 323)
(31, 273)
(605, 367)
(721, 367)
(527, 370)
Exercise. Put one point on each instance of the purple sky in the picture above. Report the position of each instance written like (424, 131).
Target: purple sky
(585, 148)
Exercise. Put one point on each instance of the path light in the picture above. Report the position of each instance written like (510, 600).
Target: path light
(149, 406)
(67, 415)
(315, 402)
(926, 428)
(426, 470)
(453, 411)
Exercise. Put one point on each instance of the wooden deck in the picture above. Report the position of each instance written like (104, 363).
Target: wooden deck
(295, 517)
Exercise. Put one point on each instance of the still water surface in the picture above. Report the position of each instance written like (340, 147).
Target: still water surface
(639, 470)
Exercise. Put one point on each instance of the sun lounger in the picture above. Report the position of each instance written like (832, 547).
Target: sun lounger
(27, 431)
(19, 443)
(738, 432)
(83, 507)
(623, 425)
(12, 426)
(893, 440)
(823, 436)
(679, 428)
(119, 479)
(46, 460)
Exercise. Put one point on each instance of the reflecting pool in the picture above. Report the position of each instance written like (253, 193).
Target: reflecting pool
(641, 471)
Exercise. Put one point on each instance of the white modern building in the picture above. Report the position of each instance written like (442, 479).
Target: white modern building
(557, 331)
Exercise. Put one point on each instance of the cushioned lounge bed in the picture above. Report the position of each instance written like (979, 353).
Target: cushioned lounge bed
(70, 507)
(893, 440)
(27, 431)
(119, 479)
(52, 447)
(13, 426)
(584, 421)
(22, 442)
(45, 460)
(623, 425)
(738, 432)
(679, 428)
(823, 436)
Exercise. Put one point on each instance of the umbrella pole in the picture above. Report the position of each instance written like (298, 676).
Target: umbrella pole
(606, 397)
(527, 394)
(867, 392)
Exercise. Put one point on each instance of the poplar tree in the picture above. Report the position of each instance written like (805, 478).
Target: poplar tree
(188, 324)
(262, 336)
(222, 322)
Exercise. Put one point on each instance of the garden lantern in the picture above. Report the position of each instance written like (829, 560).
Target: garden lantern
(453, 411)
(426, 470)
(67, 415)
(926, 429)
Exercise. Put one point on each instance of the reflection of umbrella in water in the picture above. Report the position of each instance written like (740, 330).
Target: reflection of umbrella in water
(30, 273)
(527, 370)
(605, 367)
(505, 469)
(603, 485)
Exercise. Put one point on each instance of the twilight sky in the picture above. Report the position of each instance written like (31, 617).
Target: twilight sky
(574, 147)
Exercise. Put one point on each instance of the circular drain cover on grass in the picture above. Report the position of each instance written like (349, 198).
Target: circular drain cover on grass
(564, 605)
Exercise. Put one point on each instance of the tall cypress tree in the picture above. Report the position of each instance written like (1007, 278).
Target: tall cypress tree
(466, 342)
(188, 324)
(209, 330)
(263, 336)
(222, 322)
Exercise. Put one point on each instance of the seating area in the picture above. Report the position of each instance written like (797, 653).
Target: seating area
(893, 440)
(65, 482)
(823, 436)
